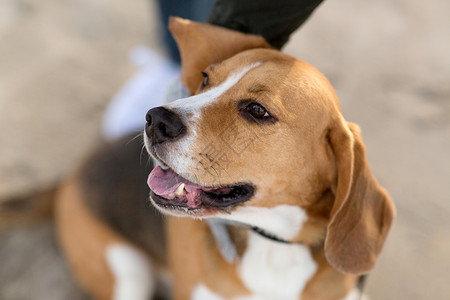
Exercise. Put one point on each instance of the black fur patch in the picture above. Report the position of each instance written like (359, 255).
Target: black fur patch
(114, 186)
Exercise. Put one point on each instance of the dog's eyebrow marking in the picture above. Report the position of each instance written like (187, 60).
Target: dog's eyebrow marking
(213, 66)
(256, 89)
(195, 103)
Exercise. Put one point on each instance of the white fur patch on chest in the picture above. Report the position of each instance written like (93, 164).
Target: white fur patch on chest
(275, 270)
(269, 269)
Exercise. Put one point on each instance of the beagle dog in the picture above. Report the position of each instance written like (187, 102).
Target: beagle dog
(261, 187)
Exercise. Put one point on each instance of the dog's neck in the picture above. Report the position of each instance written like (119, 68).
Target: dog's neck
(231, 239)
(227, 244)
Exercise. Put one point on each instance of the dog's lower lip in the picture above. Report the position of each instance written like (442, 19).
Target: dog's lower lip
(170, 189)
(169, 203)
(209, 199)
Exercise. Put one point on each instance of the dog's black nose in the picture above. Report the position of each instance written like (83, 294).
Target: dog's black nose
(163, 125)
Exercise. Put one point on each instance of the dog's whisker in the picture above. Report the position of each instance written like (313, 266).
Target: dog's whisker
(140, 134)
(140, 155)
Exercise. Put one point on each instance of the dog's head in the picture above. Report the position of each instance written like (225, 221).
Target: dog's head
(262, 141)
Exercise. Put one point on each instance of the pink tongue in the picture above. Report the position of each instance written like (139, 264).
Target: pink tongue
(165, 182)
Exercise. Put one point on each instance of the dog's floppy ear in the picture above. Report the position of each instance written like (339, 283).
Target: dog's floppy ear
(362, 212)
(203, 44)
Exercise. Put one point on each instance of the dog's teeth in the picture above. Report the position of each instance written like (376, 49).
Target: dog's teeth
(180, 190)
(171, 195)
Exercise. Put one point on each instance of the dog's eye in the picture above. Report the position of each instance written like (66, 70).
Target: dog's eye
(205, 80)
(255, 112)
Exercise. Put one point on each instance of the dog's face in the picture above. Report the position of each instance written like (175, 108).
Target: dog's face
(262, 141)
(254, 134)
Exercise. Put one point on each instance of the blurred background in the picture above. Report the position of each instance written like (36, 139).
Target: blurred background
(62, 61)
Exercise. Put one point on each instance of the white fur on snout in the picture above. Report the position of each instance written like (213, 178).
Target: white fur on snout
(132, 273)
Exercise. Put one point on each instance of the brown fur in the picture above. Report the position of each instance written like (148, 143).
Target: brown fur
(84, 240)
(321, 167)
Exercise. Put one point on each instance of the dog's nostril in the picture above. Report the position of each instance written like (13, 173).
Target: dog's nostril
(163, 129)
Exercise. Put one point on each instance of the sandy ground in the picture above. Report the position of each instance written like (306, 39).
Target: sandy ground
(61, 61)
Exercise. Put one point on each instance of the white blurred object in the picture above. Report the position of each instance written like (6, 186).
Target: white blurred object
(126, 112)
